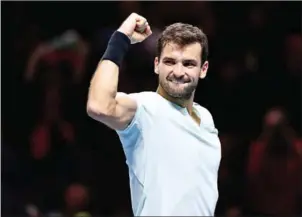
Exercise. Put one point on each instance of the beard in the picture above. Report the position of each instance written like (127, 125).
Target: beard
(179, 88)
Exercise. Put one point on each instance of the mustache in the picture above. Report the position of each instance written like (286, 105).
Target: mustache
(181, 79)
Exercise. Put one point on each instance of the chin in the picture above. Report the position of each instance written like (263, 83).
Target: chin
(177, 87)
(179, 94)
(177, 91)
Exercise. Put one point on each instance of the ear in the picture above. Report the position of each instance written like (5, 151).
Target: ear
(204, 70)
(156, 62)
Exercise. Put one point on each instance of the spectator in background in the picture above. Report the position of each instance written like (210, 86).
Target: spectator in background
(60, 63)
(76, 204)
(274, 168)
(69, 47)
(51, 144)
(76, 199)
(51, 118)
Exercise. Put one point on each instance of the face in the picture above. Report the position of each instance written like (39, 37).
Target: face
(76, 196)
(179, 69)
(273, 117)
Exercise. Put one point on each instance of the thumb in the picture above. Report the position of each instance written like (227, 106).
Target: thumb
(138, 37)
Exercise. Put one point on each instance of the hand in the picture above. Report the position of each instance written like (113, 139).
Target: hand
(136, 28)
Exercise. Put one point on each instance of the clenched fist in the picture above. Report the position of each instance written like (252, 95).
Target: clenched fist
(136, 28)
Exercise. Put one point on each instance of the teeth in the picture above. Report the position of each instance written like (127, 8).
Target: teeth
(178, 82)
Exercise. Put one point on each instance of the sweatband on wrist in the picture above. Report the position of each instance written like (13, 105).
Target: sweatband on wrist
(117, 47)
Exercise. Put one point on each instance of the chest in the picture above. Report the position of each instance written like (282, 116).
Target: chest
(177, 141)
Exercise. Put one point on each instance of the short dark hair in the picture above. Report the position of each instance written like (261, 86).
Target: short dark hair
(183, 34)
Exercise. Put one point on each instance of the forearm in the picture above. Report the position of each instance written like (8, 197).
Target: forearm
(103, 88)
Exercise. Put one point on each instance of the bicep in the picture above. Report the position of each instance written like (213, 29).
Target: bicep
(123, 113)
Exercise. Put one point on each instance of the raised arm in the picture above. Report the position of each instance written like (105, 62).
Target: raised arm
(105, 103)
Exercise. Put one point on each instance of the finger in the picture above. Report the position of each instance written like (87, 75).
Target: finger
(141, 21)
(140, 29)
(144, 29)
(148, 30)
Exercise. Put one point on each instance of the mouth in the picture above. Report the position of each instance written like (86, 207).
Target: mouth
(177, 81)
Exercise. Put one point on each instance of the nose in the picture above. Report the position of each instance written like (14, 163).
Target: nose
(178, 70)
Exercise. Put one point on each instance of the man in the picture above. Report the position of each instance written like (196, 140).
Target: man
(170, 142)
(274, 178)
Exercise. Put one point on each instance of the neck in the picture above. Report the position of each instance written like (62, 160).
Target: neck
(185, 103)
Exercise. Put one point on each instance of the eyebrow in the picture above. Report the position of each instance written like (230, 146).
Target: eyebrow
(168, 58)
(185, 60)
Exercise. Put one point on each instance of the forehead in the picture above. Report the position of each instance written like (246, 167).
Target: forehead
(191, 51)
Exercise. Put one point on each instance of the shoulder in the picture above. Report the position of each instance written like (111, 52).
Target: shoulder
(143, 96)
(206, 118)
(205, 115)
(148, 100)
(147, 106)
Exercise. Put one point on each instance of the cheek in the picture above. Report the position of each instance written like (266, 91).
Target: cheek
(195, 74)
(191, 75)
(162, 76)
(164, 71)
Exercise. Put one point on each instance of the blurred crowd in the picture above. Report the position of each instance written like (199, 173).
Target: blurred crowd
(56, 161)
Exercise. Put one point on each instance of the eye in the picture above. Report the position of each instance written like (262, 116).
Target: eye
(189, 64)
(169, 62)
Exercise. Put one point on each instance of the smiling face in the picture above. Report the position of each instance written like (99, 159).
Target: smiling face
(179, 69)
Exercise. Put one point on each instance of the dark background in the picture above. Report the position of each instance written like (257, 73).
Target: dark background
(255, 65)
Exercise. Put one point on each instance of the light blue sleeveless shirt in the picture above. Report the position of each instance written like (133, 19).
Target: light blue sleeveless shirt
(173, 163)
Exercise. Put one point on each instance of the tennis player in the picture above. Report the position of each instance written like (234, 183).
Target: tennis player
(170, 142)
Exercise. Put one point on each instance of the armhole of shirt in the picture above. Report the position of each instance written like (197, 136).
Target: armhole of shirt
(134, 121)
